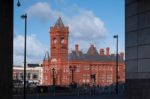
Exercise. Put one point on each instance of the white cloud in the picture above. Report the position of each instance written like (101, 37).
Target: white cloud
(85, 27)
(41, 11)
(35, 49)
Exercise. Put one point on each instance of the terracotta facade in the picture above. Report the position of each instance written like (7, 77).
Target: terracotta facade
(101, 64)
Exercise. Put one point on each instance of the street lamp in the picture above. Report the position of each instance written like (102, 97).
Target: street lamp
(72, 69)
(24, 16)
(53, 74)
(53, 71)
(116, 36)
(18, 3)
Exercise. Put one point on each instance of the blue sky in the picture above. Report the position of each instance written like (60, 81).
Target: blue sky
(90, 22)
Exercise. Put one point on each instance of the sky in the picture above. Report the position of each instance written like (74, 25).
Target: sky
(89, 21)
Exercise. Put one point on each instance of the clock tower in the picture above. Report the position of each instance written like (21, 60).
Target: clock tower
(59, 41)
(59, 48)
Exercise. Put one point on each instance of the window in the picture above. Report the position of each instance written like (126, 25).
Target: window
(67, 69)
(102, 77)
(21, 75)
(100, 67)
(35, 76)
(87, 80)
(109, 78)
(103, 68)
(118, 68)
(86, 67)
(110, 68)
(46, 78)
(83, 80)
(28, 75)
(106, 67)
(93, 67)
(17, 75)
(64, 69)
(86, 75)
(77, 68)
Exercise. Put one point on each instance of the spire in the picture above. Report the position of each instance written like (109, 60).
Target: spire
(59, 22)
(46, 57)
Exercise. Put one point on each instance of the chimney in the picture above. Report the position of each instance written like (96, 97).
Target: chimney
(101, 52)
(107, 51)
(121, 55)
(77, 47)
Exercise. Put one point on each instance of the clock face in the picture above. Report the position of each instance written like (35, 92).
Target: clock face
(54, 40)
(62, 41)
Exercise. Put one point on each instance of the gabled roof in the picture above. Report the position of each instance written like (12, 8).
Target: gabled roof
(92, 50)
(59, 23)
(73, 56)
(100, 58)
(46, 57)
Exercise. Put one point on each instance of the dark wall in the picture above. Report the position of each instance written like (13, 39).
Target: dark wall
(6, 48)
(137, 47)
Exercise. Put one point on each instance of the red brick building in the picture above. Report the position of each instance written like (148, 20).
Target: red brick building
(102, 64)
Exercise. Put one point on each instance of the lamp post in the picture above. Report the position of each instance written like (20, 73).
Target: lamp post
(72, 69)
(53, 75)
(53, 71)
(18, 3)
(116, 36)
(24, 16)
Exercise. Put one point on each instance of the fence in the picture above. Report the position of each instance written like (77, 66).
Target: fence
(59, 90)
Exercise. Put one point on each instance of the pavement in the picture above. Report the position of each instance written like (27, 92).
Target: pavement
(107, 96)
